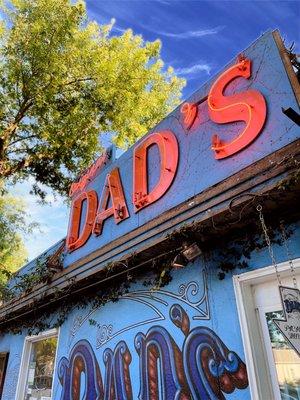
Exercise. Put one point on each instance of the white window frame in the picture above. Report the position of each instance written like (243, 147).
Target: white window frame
(27, 347)
(260, 380)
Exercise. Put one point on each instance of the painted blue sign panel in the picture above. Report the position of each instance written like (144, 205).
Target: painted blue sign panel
(198, 136)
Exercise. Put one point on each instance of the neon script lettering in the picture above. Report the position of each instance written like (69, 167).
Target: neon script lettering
(84, 179)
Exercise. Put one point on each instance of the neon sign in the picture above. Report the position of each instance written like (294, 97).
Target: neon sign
(76, 238)
(190, 112)
(248, 106)
(89, 175)
(112, 190)
(168, 148)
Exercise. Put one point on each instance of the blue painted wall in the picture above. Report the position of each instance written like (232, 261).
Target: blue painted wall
(196, 309)
(194, 295)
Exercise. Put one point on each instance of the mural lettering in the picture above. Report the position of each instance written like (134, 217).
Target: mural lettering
(117, 377)
(82, 361)
(203, 369)
(160, 357)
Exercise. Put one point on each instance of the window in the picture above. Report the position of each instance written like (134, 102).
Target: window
(273, 365)
(286, 360)
(37, 369)
(3, 366)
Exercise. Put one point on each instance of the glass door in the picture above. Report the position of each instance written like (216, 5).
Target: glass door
(38, 367)
(282, 359)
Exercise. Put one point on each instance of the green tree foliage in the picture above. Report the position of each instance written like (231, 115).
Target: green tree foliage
(12, 221)
(63, 81)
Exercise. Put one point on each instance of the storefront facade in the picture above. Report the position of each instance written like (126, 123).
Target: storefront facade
(193, 194)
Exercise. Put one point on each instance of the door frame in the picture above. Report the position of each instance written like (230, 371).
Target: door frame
(5, 355)
(24, 366)
(260, 380)
(268, 350)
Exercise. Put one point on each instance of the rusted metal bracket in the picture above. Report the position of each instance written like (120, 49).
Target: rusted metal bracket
(292, 114)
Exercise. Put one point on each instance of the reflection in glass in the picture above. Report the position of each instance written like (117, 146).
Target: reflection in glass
(40, 370)
(286, 360)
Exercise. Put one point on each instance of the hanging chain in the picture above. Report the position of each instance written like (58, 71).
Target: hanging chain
(287, 248)
(268, 241)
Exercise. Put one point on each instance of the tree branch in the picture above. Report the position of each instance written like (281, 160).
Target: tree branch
(20, 139)
(7, 172)
(23, 109)
(12, 127)
(77, 81)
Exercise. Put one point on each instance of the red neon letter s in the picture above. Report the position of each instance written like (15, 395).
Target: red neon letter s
(168, 148)
(74, 240)
(112, 189)
(249, 106)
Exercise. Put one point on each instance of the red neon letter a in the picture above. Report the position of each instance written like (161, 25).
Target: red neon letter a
(112, 190)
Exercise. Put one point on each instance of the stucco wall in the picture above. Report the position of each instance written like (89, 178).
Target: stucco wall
(196, 309)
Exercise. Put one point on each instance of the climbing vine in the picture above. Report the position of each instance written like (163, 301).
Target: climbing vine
(24, 283)
(53, 311)
(229, 251)
(228, 256)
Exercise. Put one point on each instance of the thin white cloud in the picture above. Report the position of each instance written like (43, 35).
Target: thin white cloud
(118, 29)
(190, 34)
(193, 69)
(176, 35)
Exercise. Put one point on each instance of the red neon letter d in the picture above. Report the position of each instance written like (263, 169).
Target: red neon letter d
(168, 149)
(75, 238)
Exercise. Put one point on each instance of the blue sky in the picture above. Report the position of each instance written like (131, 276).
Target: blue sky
(198, 38)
